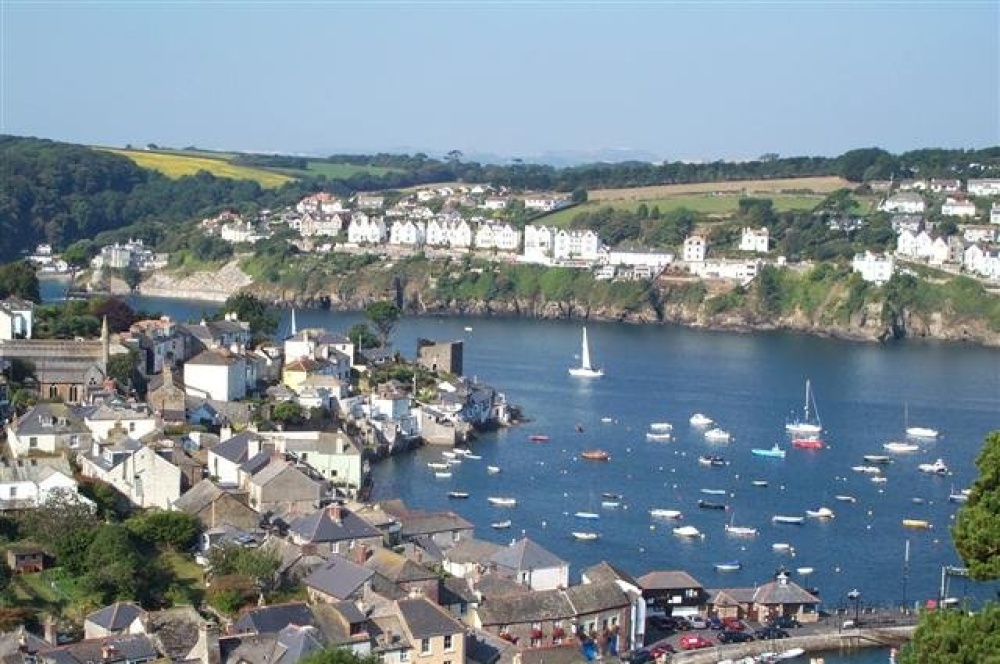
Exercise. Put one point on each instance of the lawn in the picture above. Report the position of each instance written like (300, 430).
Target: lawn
(52, 590)
(335, 171)
(175, 165)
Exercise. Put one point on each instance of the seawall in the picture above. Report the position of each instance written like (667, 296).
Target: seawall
(835, 639)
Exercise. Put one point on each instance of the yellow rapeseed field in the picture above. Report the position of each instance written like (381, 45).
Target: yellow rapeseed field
(176, 166)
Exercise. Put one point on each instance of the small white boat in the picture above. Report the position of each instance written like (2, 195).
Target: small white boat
(846, 499)
(585, 370)
(458, 494)
(714, 492)
(437, 465)
(869, 470)
(659, 513)
(936, 468)
(717, 435)
(740, 531)
(900, 448)
(658, 437)
(759, 483)
(959, 496)
(820, 513)
(731, 566)
(607, 420)
(454, 462)
(688, 531)
(781, 546)
(879, 479)
(473, 457)
(449, 454)
(916, 524)
(587, 515)
(700, 420)
(661, 426)
(585, 536)
(442, 474)
(805, 571)
(610, 504)
(468, 328)
(502, 502)
(782, 518)
(921, 432)
(500, 525)
(492, 470)
(791, 653)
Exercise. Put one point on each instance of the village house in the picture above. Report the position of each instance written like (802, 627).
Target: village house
(502, 237)
(123, 649)
(407, 233)
(228, 334)
(958, 207)
(334, 529)
(134, 419)
(313, 225)
(539, 242)
(575, 245)
(369, 201)
(16, 317)
(544, 202)
(339, 580)
(240, 232)
(913, 185)
(365, 230)
(440, 356)
(469, 558)
(435, 636)
(495, 203)
(115, 620)
(983, 187)
(277, 486)
(226, 458)
(23, 559)
(984, 261)
(332, 454)
(397, 576)
(906, 203)
(979, 233)
(47, 428)
(743, 271)
(531, 565)
(215, 506)
(216, 374)
(945, 186)
(673, 592)
(995, 213)
(27, 483)
(876, 268)
(321, 203)
(755, 240)
(695, 248)
(655, 261)
(159, 342)
(445, 529)
(136, 471)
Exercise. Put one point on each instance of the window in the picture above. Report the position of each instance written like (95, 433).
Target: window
(33, 442)
(53, 392)
(131, 426)
(447, 643)
(13, 494)
(425, 646)
(404, 656)
(74, 393)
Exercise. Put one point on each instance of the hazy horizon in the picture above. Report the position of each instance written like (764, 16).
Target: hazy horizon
(674, 81)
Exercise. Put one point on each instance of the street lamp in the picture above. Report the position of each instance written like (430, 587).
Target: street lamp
(855, 596)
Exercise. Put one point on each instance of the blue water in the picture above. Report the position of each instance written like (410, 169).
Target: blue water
(748, 384)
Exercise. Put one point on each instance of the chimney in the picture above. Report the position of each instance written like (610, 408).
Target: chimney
(334, 512)
(253, 447)
(361, 554)
(207, 648)
(225, 432)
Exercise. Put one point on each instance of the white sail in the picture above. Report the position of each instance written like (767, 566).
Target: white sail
(585, 370)
(810, 423)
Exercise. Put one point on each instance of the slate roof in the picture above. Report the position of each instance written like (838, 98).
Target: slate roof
(456, 591)
(397, 568)
(497, 585)
(667, 580)
(116, 617)
(537, 606)
(272, 619)
(262, 467)
(339, 577)
(604, 571)
(45, 419)
(124, 648)
(472, 550)
(175, 631)
(235, 449)
(526, 554)
(33, 469)
(198, 497)
(321, 526)
(425, 619)
(213, 358)
(783, 592)
(590, 598)
(433, 523)
(484, 648)
(293, 643)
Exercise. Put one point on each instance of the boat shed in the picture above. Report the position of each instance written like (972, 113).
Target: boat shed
(675, 592)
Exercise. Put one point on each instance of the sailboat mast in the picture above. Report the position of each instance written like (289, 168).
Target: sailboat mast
(585, 352)
(807, 401)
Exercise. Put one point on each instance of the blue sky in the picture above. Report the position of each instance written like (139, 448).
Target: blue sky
(710, 80)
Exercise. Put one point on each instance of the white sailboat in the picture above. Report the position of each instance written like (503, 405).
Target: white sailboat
(916, 432)
(809, 423)
(585, 370)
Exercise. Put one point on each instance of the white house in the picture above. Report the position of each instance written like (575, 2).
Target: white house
(946, 185)
(694, 249)
(315, 225)
(216, 374)
(876, 268)
(982, 261)
(979, 233)
(755, 240)
(369, 201)
(656, 260)
(495, 203)
(48, 427)
(741, 270)
(544, 202)
(576, 245)
(16, 316)
(239, 232)
(529, 564)
(27, 483)
(104, 418)
(939, 251)
(906, 202)
(407, 233)
(502, 237)
(134, 470)
(321, 203)
(538, 243)
(995, 213)
(913, 185)
(983, 187)
(332, 454)
(958, 207)
(914, 245)
(366, 230)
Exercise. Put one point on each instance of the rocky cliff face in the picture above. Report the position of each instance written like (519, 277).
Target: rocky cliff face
(417, 299)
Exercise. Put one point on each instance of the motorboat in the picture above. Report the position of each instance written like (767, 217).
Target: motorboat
(731, 566)
(492, 470)
(585, 536)
(610, 504)
(717, 435)
(781, 518)
(437, 465)
(846, 499)
(809, 423)
(688, 531)
(502, 502)
(921, 432)
(585, 370)
(595, 455)
(808, 443)
(774, 452)
(711, 460)
(458, 494)
(916, 524)
(879, 479)
(661, 426)
(473, 457)
(739, 531)
(936, 468)
(868, 470)
(959, 497)
(660, 513)
(713, 492)
(707, 505)
(805, 571)
(899, 448)
(607, 420)
(442, 474)
(587, 515)
(820, 513)
(658, 437)
(781, 546)
(500, 525)
(759, 483)
(610, 495)
(879, 459)
(454, 462)
(700, 420)
(538, 438)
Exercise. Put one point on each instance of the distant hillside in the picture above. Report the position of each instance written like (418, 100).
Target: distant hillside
(176, 165)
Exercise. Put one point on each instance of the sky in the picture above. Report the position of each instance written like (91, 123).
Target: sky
(667, 80)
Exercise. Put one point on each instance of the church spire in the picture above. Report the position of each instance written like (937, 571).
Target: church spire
(295, 328)
(105, 349)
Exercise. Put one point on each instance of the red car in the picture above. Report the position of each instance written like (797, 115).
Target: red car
(661, 649)
(733, 624)
(694, 642)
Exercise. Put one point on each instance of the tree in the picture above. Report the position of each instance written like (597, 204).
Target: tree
(118, 312)
(175, 530)
(230, 593)
(287, 412)
(124, 369)
(362, 337)
(19, 279)
(258, 565)
(65, 525)
(977, 529)
(383, 315)
(579, 195)
(957, 637)
(252, 310)
(113, 563)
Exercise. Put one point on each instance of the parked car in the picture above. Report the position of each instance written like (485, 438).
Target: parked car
(715, 623)
(662, 649)
(660, 622)
(697, 622)
(767, 633)
(729, 636)
(733, 624)
(640, 656)
(694, 642)
(784, 622)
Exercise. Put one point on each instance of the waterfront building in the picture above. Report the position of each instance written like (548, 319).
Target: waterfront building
(876, 268)
(780, 597)
(755, 240)
(575, 246)
(695, 248)
(407, 233)
(539, 242)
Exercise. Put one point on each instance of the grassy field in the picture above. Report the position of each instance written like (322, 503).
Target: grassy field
(818, 185)
(331, 170)
(175, 165)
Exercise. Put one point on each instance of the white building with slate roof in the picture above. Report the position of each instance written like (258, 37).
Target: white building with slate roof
(49, 428)
(114, 620)
(339, 580)
(334, 529)
(27, 483)
(529, 564)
